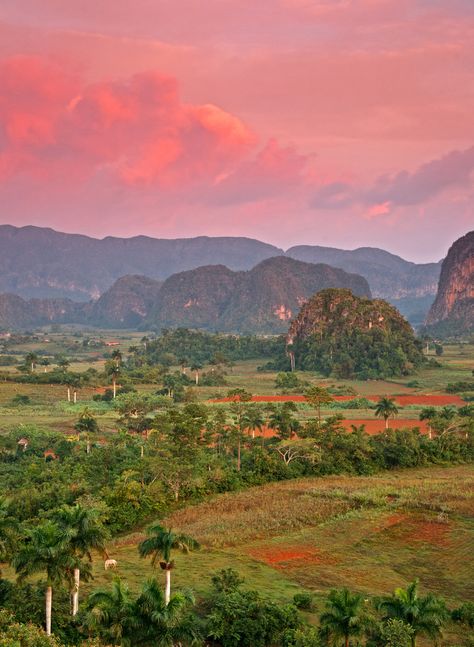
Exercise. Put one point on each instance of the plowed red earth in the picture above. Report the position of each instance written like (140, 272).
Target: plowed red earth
(372, 426)
(278, 557)
(403, 400)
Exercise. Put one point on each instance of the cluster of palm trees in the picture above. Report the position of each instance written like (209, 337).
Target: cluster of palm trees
(61, 549)
(412, 615)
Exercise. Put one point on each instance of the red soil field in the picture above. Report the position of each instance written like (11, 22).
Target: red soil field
(279, 556)
(403, 400)
(372, 426)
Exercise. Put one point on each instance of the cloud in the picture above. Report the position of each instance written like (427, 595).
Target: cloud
(137, 130)
(404, 188)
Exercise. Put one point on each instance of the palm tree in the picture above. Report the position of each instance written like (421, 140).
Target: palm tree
(87, 424)
(85, 533)
(113, 371)
(163, 623)
(425, 615)
(253, 419)
(110, 614)
(45, 548)
(429, 414)
(344, 616)
(196, 367)
(159, 544)
(31, 359)
(117, 356)
(386, 408)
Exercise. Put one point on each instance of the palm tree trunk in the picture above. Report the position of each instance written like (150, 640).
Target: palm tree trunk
(75, 397)
(386, 423)
(167, 586)
(114, 383)
(346, 641)
(75, 592)
(197, 378)
(238, 456)
(49, 604)
(68, 394)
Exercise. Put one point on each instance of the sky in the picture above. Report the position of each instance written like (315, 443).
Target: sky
(330, 122)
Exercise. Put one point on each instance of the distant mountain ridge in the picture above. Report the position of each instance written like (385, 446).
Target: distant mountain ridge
(40, 262)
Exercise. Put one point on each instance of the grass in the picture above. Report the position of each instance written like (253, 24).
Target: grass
(370, 534)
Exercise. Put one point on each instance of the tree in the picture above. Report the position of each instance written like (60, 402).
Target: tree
(85, 532)
(45, 548)
(253, 419)
(112, 370)
(429, 414)
(31, 359)
(159, 544)
(283, 421)
(344, 616)
(425, 614)
(386, 408)
(87, 424)
(117, 357)
(240, 397)
(8, 528)
(196, 367)
(110, 613)
(161, 622)
(317, 396)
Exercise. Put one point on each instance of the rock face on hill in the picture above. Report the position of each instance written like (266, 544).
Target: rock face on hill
(126, 303)
(411, 287)
(261, 300)
(40, 262)
(453, 309)
(338, 333)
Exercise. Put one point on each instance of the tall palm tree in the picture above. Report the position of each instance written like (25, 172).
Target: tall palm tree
(344, 616)
(425, 614)
(112, 370)
(196, 367)
(386, 408)
(253, 419)
(429, 414)
(161, 623)
(159, 544)
(31, 359)
(111, 614)
(85, 532)
(45, 548)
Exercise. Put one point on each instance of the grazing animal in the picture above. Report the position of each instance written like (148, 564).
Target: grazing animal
(110, 563)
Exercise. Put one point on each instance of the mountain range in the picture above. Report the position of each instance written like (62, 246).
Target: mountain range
(43, 263)
(228, 284)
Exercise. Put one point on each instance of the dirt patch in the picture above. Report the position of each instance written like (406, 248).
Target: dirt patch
(281, 557)
(411, 530)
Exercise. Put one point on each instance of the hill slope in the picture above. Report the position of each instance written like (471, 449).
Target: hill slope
(453, 309)
(260, 300)
(347, 336)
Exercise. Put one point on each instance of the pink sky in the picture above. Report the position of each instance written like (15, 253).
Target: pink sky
(332, 122)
